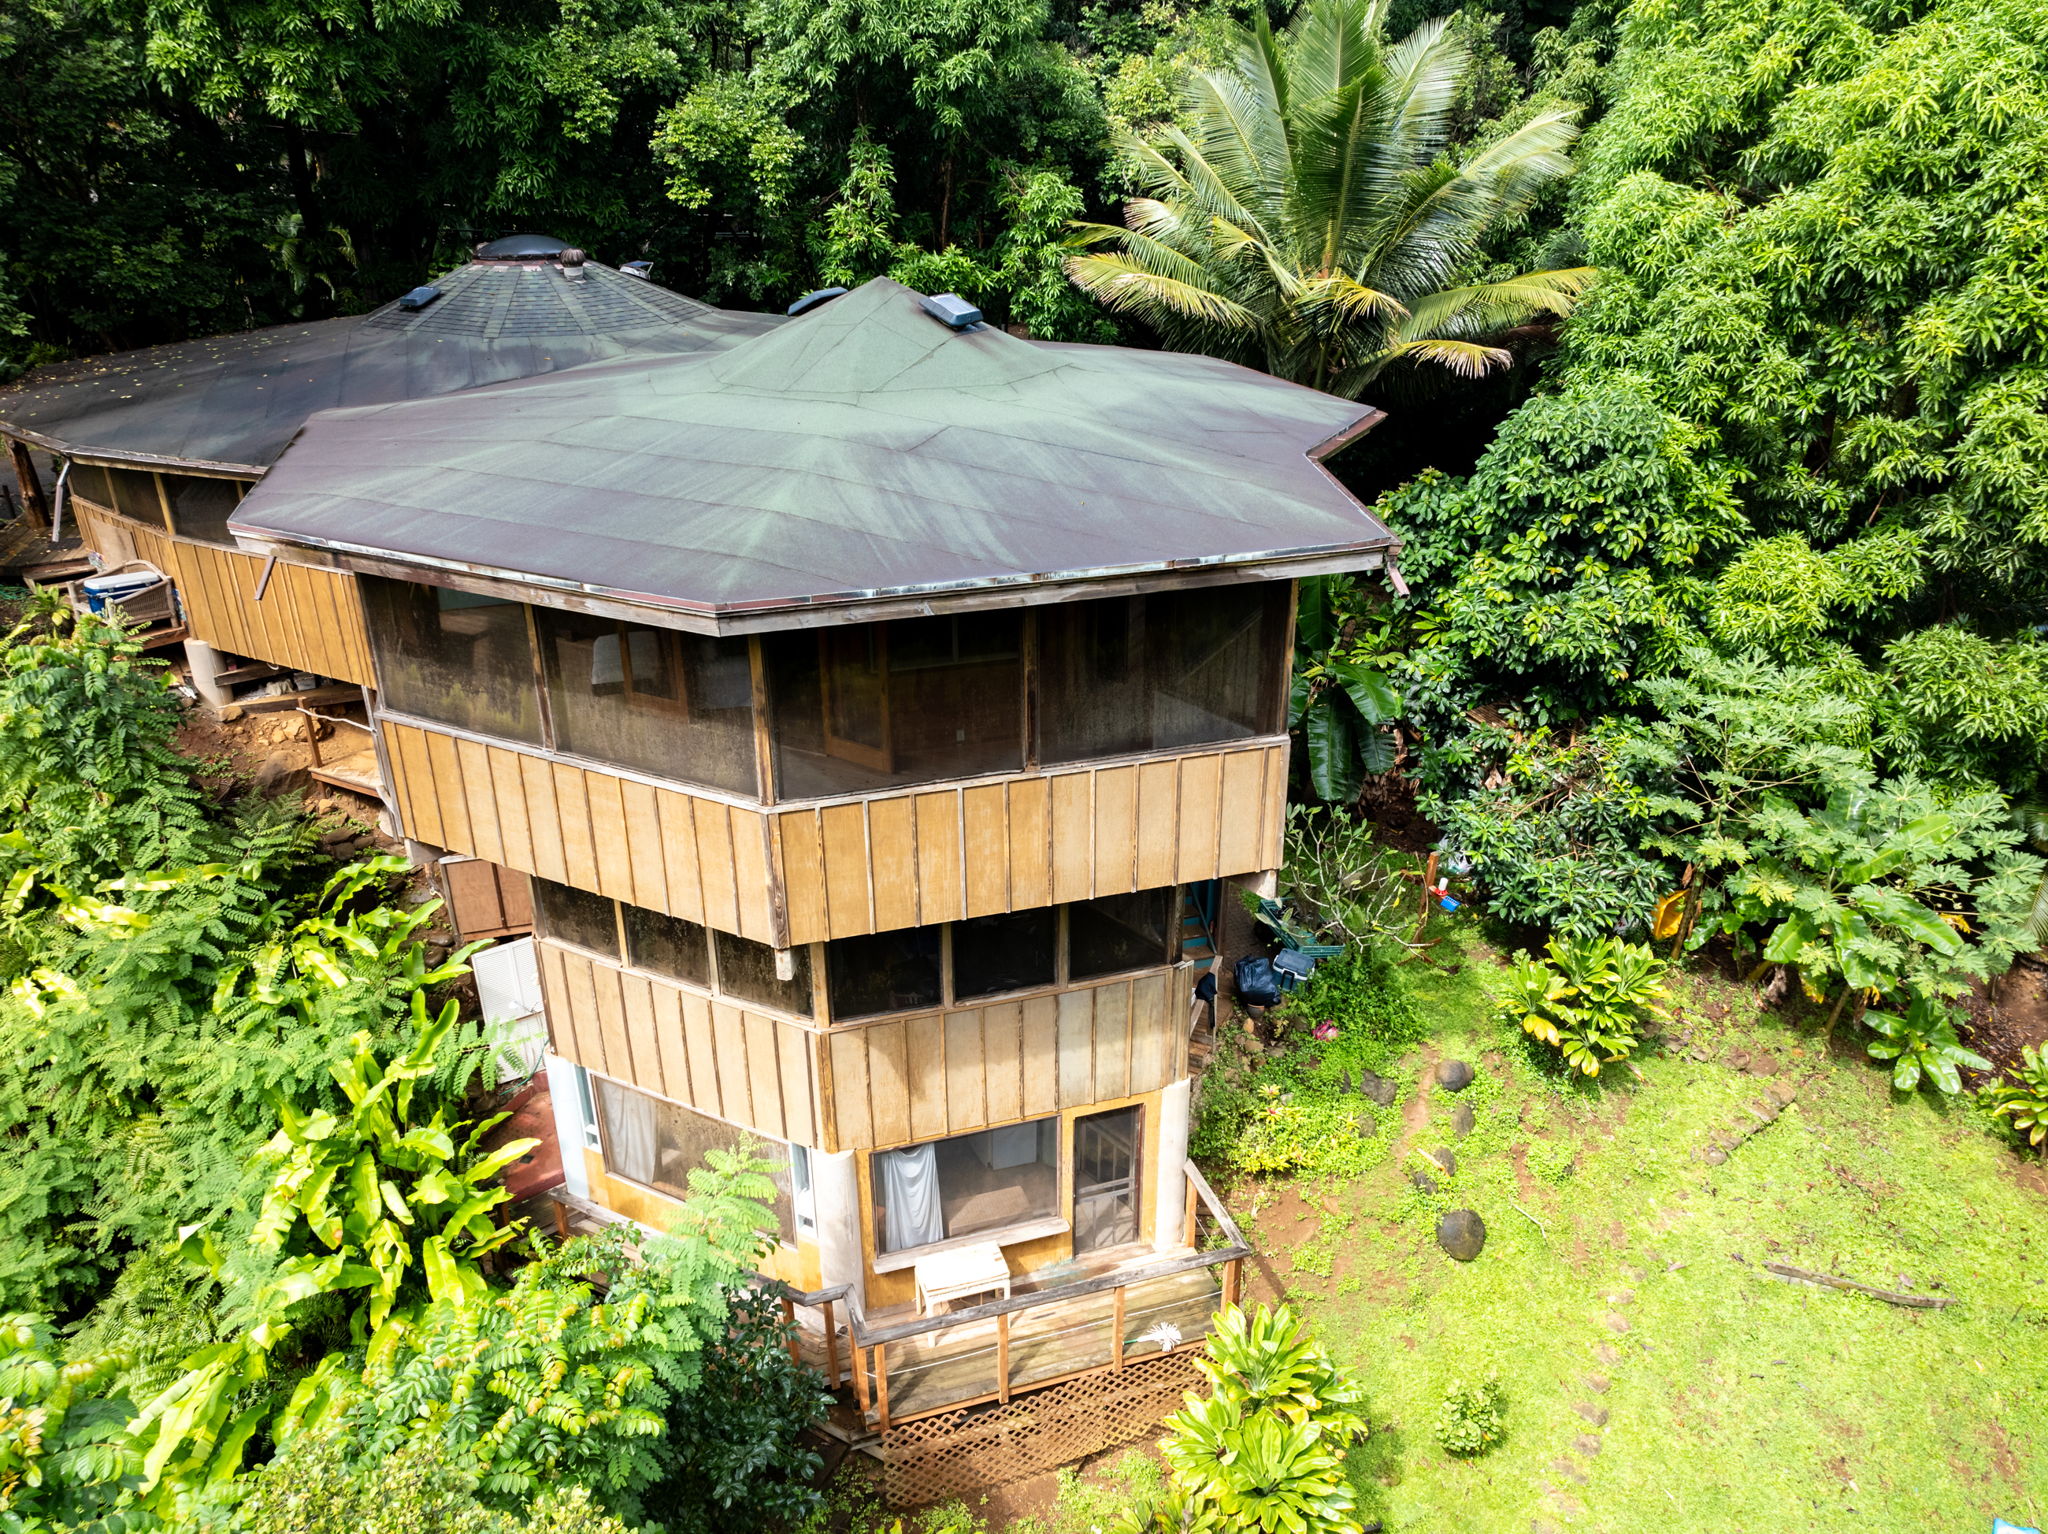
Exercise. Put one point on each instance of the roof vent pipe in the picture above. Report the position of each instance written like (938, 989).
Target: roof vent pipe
(812, 299)
(572, 264)
(951, 310)
(644, 270)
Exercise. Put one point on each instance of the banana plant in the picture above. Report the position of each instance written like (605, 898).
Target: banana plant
(2024, 1097)
(1922, 1042)
(1257, 1470)
(1344, 708)
(1266, 1361)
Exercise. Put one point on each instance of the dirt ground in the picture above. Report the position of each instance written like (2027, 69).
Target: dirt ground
(2009, 1014)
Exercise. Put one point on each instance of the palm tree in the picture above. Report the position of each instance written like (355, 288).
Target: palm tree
(1309, 221)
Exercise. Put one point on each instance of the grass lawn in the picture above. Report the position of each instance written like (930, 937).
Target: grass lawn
(1657, 1378)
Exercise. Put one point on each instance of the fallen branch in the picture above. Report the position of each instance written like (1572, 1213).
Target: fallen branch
(1518, 1209)
(1889, 1296)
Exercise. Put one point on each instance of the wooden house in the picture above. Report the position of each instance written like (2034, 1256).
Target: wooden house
(881, 706)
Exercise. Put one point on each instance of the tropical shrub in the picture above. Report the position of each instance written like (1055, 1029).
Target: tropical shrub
(2022, 1097)
(1349, 887)
(1265, 1449)
(1473, 1415)
(1921, 1043)
(65, 1459)
(1341, 702)
(1590, 1001)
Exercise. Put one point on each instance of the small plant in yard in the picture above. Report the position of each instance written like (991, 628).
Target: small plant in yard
(1922, 1042)
(1589, 1001)
(1265, 1451)
(2022, 1099)
(1473, 1415)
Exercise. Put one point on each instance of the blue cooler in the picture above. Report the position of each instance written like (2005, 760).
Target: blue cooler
(104, 591)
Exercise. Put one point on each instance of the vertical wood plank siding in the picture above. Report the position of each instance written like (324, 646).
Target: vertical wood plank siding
(657, 847)
(918, 1078)
(891, 1082)
(919, 857)
(803, 874)
(308, 620)
(754, 1071)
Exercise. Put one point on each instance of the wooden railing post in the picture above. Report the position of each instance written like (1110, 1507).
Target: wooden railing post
(1003, 1356)
(796, 1352)
(882, 1386)
(1116, 1338)
(1194, 1204)
(1233, 1274)
(860, 1377)
(831, 1348)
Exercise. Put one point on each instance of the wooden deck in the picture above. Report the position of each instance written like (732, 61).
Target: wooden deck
(1049, 1342)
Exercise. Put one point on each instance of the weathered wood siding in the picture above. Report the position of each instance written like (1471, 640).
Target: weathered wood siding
(721, 1059)
(661, 848)
(945, 1073)
(921, 856)
(308, 620)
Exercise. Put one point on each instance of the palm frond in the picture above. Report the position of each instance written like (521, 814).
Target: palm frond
(1467, 359)
(1123, 284)
(1488, 306)
(1348, 300)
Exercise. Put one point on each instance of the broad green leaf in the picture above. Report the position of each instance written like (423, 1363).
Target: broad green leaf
(1332, 750)
(1369, 691)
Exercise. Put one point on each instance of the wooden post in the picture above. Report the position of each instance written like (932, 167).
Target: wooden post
(1194, 1205)
(1116, 1337)
(312, 735)
(882, 1387)
(831, 1347)
(860, 1377)
(1685, 912)
(1232, 1277)
(562, 1221)
(33, 504)
(796, 1355)
(1003, 1355)
(1428, 895)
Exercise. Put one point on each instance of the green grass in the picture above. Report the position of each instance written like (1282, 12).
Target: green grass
(1736, 1401)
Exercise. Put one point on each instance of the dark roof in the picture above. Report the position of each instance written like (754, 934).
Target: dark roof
(862, 452)
(233, 402)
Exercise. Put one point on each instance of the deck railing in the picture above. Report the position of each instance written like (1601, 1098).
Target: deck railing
(907, 1369)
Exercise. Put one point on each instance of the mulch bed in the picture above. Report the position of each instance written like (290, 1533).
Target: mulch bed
(2012, 1014)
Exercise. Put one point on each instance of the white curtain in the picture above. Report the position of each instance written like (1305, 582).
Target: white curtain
(910, 1192)
(629, 1132)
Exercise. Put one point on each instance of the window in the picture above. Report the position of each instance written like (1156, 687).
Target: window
(888, 972)
(455, 658)
(969, 1185)
(586, 1107)
(1107, 1207)
(200, 508)
(566, 914)
(88, 481)
(678, 705)
(802, 1201)
(654, 1142)
(1119, 932)
(746, 970)
(1160, 672)
(864, 706)
(668, 945)
(135, 496)
(1014, 952)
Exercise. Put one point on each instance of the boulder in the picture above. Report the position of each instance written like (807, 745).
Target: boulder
(1462, 1119)
(1444, 1159)
(279, 774)
(1422, 1180)
(1378, 1088)
(1454, 1075)
(1367, 1125)
(1462, 1234)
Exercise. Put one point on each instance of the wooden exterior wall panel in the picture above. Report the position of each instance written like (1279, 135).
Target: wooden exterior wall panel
(1158, 850)
(515, 823)
(714, 864)
(1196, 828)
(1241, 819)
(641, 820)
(1030, 811)
(480, 800)
(1273, 796)
(985, 842)
(1116, 830)
(843, 840)
(759, 911)
(798, 853)
(892, 855)
(938, 857)
(679, 856)
(572, 816)
(927, 1046)
(1038, 1056)
(965, 1074)
(889, 1075)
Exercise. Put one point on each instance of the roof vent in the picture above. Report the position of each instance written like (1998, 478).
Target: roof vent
(952, 310)
(521, 247)
(572, 264)
(419, 297)
(644, 270)
(815, 297)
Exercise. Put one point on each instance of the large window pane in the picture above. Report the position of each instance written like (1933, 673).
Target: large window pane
(888, 972)
(89, 482)
(746, 969)
(675, 704)
(654, 1142)
(571, 915)
(454, 658)
(135, 496)
(668, 945)
(1119, 932)
(1159, 672)
(871, 705)
(992, 954)
(969, 1185)
(200, 508)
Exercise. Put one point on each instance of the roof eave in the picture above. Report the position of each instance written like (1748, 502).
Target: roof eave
(825, 609)
(112, 458)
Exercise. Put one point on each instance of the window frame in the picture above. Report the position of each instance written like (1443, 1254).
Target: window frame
(1033, 1228)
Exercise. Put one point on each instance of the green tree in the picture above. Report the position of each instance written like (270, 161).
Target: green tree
(1308, 220)
(65, 1462)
